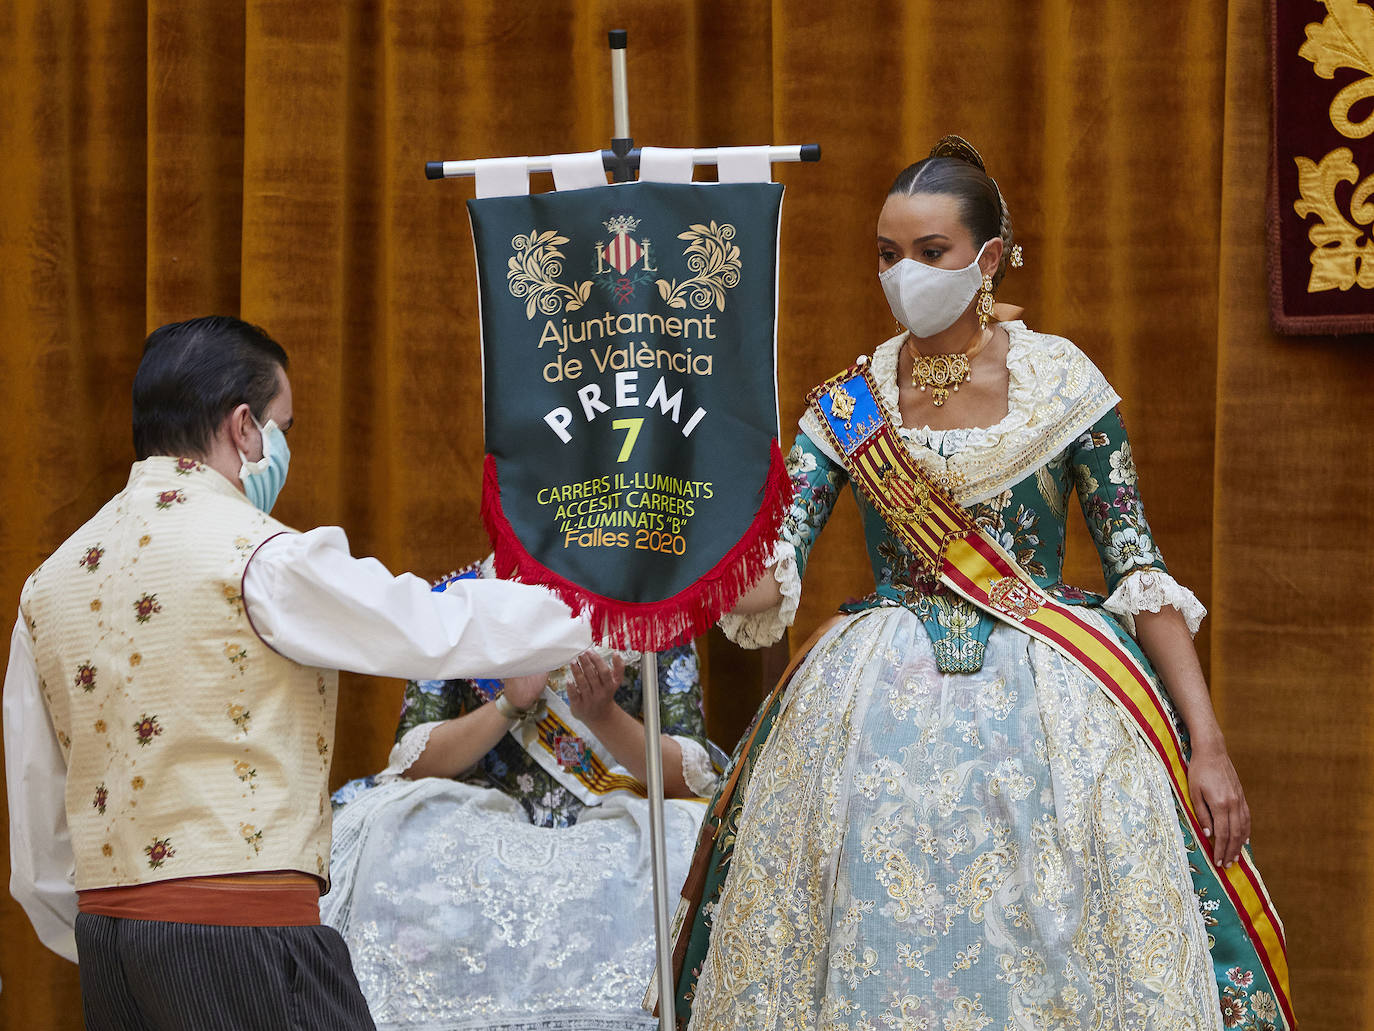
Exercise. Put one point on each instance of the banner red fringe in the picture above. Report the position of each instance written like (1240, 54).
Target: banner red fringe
(650, 626)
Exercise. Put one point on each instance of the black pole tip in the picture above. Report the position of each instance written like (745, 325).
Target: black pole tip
(434, 169)
(810, 151)
(618, 39)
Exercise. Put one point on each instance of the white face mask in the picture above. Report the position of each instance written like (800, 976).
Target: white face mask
(926, 299)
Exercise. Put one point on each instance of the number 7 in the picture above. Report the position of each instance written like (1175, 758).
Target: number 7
(632, 425)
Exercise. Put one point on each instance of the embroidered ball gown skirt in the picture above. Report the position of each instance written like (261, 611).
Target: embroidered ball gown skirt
(462, 915)
(954, 851)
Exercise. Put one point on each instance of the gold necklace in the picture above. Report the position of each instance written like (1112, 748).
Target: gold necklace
(944, 372)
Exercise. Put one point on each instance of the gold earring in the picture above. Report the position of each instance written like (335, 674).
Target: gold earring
(985, 302)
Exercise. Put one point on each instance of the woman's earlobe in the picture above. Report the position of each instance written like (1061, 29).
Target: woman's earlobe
(991, 258)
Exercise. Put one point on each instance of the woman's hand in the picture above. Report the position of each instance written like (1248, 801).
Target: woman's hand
(591, 695)
(1220, 802)
(1212, 782)
(523, 692)
(457, 745)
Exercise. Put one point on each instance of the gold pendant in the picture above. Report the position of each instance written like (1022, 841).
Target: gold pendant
(941, 372)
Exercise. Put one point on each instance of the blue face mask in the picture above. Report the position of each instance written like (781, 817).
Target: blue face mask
(263, 480)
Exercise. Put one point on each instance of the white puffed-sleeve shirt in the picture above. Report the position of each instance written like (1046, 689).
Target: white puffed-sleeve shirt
(310, 600)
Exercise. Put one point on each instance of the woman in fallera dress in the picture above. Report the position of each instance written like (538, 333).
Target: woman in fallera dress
(967, 807)
(497, 874)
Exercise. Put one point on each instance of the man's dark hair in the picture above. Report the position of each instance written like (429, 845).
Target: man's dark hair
(193, 374)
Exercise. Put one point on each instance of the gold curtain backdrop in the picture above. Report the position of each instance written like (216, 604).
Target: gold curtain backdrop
(181, 157)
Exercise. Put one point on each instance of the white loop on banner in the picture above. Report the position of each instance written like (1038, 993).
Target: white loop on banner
(578, 171)
(744, 165)
(502, 177)
(665, 164)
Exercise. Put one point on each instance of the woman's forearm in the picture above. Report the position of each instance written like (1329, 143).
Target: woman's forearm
(623, 736)
(764, 595)
(1165, 640)
(456, 746)
(1213, 786)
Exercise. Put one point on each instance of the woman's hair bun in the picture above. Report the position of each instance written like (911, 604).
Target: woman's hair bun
(957, 147)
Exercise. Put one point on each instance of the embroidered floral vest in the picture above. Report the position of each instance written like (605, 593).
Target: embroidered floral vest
(1062, 434)
(192, 748)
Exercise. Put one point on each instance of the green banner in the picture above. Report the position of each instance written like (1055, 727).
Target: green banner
(628, 345)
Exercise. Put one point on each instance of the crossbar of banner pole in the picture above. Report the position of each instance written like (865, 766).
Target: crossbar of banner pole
(544, 163)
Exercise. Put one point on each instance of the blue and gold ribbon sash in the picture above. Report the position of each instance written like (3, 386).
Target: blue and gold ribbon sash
(948, 546)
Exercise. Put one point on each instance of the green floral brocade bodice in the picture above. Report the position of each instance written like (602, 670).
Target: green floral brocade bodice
(1027, 517)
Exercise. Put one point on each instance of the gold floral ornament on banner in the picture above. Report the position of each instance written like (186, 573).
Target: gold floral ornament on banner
(1344, 39)
(714, 263)
(533, 274)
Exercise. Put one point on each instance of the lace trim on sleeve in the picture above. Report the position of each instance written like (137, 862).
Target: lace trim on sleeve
(764, 628)
(1149, 590)
(697, 770)
(406, 751)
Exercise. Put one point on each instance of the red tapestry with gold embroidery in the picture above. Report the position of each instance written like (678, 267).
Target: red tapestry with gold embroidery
(1322, 168)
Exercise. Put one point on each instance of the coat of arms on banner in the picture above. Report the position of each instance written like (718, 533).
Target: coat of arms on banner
(628, 339)
(623, 263)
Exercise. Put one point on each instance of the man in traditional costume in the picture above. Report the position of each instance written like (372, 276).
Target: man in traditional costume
(169, 706)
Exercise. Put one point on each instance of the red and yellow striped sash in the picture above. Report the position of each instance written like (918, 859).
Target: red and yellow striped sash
(949, 546)
(593, 772)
